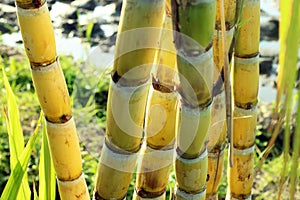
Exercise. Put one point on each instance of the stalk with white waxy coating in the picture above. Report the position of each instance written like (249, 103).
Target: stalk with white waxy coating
(194, 23)
(136, 47)
(161, 120)
(245, 91)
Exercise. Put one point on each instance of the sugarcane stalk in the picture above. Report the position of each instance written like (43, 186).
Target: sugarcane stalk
(48, 79)
(153, 173)
(245, 71)
(137, 42)
(161, 120)
(221, 105)
(194, 23)
(216, 145)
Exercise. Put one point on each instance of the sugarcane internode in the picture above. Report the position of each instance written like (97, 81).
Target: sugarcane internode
(247, 42)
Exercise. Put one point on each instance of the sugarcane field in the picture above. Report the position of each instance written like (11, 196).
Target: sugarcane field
(149, 99)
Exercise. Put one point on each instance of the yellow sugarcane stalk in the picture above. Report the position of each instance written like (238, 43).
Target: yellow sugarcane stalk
(35, 24)
(114, 172)
(218, 50)
(138, 39)
(136, 46)
(247, 42)
(161, 120)
(48, 79)
(229, 13)
(153, 172)
(245, 71)
(216, 143)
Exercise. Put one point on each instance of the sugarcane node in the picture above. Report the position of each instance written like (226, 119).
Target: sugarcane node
(185, 102)
(183, 155)
(193, 194)
(96, 196)
(162, 148)
(217, 151)
(246, 106)
(144, 194)
(243, 150)
(61, 120)
(65, 118)
(248, 56)
(157, 85)
(228, 26)
(240, 196)
(40, 66)
(118, 150)
(30, 4)
(121, 81)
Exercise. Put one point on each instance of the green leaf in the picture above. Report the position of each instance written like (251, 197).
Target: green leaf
(289, 47)
(16, 139)
(14, 183)
(46, 169)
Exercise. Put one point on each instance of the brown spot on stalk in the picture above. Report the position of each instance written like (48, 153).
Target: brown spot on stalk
(96, 196)
(217, 88)
(175, 19)
(64, 118)
(160, 87)
(37, 3)
(80, 195)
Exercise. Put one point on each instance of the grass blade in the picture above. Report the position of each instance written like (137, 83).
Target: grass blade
(46, 169)
(289, 45)
(14, 183)
(16, 139)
